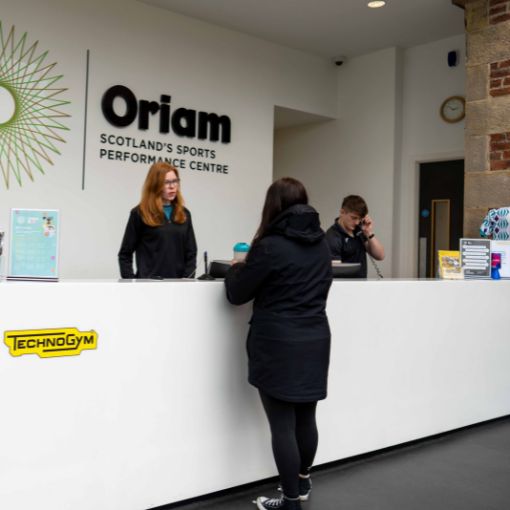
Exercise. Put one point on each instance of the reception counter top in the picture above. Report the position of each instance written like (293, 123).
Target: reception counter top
(160, 410)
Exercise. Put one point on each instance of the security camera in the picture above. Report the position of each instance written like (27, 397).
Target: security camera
(338, 61)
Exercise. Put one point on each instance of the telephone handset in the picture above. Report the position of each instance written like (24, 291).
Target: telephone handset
(358, 232)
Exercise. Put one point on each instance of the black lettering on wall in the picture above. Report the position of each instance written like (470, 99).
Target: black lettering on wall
(131, 106)
(183, 121)
(187, 115)
(146, 108)
(164, 116)
(209, 125)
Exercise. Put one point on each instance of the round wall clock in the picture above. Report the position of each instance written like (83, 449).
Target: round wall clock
(453, 109)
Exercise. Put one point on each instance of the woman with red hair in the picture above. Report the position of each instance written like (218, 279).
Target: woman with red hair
(159, 230)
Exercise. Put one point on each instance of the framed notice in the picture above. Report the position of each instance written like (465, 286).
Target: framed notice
(476, 258)
(34, 243)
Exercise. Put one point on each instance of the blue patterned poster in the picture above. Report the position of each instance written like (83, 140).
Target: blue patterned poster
(496, 224)
(33, 247)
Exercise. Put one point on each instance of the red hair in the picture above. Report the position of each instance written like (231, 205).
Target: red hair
(151, 204)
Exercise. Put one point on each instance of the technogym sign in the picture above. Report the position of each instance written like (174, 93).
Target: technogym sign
(31, 108)
(50, 343)
(122, 108)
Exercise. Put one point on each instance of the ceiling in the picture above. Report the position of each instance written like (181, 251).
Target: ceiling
(329, 28)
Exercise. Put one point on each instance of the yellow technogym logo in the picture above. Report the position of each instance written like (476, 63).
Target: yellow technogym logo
(50, 343)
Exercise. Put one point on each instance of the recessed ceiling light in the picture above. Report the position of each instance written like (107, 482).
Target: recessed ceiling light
(375, 4)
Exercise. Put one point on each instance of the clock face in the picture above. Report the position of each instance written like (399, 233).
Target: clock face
(453, 109)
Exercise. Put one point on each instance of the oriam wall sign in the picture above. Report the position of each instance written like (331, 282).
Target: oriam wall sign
(151, 115)
(185, 122)
(31, 108)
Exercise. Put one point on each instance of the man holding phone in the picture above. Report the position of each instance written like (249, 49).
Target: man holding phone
(352, 235)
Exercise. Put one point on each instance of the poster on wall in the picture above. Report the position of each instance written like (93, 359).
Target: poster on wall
(34, 243)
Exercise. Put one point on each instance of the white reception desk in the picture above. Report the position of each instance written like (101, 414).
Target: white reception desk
(161, 410)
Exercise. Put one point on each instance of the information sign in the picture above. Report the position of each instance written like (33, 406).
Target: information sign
(33, 246)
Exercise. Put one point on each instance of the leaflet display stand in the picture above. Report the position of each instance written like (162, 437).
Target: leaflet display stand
(34, 243)
(476, 258)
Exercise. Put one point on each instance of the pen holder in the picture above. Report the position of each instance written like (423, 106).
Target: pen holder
(206, 275)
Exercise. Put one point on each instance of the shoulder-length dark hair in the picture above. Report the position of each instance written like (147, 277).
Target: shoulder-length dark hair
(151, 204)
(281, 195)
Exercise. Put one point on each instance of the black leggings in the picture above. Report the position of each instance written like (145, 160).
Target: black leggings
(294, 439)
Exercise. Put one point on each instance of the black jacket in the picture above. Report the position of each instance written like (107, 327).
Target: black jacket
(166, 251)
(347, 248)
(288, 274)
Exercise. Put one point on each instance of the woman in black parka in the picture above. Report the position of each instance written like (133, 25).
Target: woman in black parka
(159, 230)
(288, 274)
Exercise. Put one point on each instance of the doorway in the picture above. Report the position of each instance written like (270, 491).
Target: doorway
(441, 212)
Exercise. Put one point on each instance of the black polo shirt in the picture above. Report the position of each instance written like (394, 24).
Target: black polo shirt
(347, 248)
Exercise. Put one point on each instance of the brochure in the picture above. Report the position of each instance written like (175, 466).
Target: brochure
(450, 267)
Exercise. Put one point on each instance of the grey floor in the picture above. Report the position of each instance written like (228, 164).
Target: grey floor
(465, 470)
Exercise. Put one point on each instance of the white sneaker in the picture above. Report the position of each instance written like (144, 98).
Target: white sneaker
(281, 503)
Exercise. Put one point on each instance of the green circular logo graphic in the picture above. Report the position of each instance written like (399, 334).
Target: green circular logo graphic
(30, 108)
(7, 105)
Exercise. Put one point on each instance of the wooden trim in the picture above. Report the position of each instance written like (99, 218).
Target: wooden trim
(433, 232)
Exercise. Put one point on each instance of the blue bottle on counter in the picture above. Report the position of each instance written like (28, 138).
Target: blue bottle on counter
(495, 266)
(240, 251)
(495, 271)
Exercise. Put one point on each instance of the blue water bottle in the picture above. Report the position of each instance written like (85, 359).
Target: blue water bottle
(240, 251)
(495, 265)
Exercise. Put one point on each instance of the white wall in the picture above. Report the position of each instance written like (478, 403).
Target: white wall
(428, 81)
(388, 121)
(355, 154)
(154, 52)
(387, 106)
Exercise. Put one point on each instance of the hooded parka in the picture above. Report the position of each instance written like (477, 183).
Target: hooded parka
(168, 250)
(288, 274)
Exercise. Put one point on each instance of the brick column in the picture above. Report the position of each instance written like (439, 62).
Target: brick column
(487, 141)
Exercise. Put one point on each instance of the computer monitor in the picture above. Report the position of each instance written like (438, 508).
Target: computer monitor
(345, 269)
(219, 268)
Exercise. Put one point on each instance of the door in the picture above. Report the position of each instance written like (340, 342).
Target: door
(441, 212)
